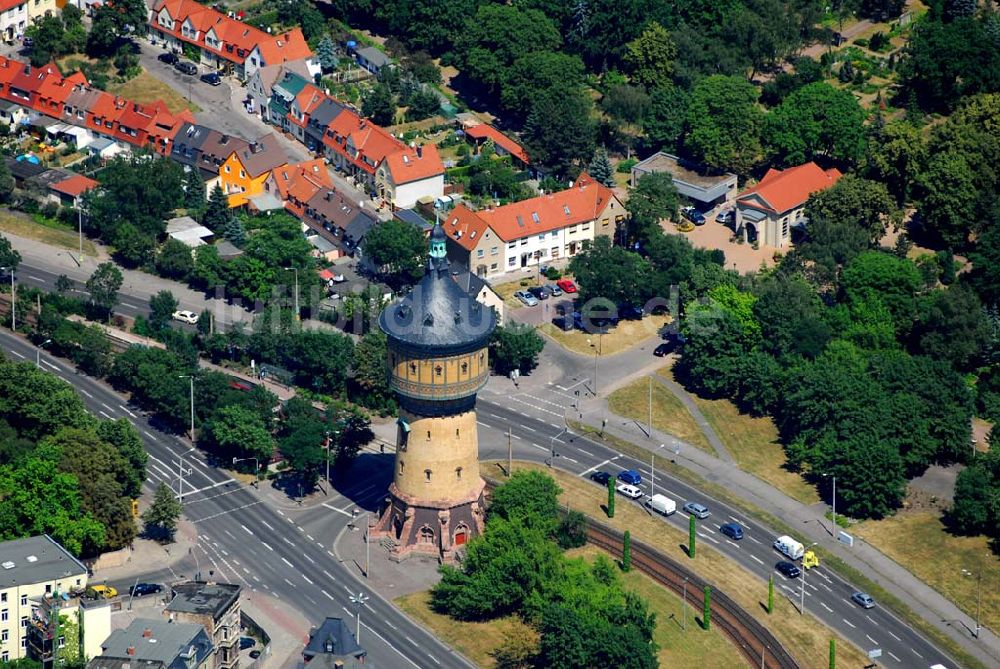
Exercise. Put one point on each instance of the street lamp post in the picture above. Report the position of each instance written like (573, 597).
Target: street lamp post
(979, 596)
(190, 377)
(256, 468)
(597, 356)
(38, 353)
(13, 299)
(360, 599)
(296, 270)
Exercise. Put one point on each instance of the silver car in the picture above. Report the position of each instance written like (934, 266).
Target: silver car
(864, 600)
(697, 510)
(526, 298)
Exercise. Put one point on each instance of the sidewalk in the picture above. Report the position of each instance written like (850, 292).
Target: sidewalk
(813, 525)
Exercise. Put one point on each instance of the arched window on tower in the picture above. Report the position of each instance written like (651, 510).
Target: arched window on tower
(427, 473)
(458, 473)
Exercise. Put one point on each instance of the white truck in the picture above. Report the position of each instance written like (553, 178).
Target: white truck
(662, 504)
(789, 547)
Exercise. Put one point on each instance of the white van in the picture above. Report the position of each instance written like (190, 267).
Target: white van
(789, 547)
(662, 504)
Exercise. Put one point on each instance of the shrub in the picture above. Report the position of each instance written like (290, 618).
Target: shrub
(625, 166)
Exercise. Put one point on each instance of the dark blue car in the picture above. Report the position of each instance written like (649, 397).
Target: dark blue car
(732, 530)
(630, 476)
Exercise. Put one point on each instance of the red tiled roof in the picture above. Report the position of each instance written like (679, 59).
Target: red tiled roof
(297, 184)
(409, 165)
(10, 4)
(238, 39)
(782, 190)
(581, 203)
(75, 186)
(465, 227)
(484, 132)
(371, 142)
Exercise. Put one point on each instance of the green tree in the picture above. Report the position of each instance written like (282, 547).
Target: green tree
(47, 35)
(855, 200)
(559, 131)
(770, 594)
(653, 199)
(236, 430)
(175, 260)
(627, 106)
(194, 193)
(650, 56)
(612, 273)
(326, 54)
(572, 530)
(706, 610)
(951, 326)
(161, 309)
(536, 72)
(132, 247)
(530, 497)
(765, 32)
(103, 286)
(124, 437)
(141, 190)
(162, 515)
(817, 119)
(664, 123)
(515, 346)
(380, 106)
(894, 280)
(370, 372)
(234, 232)
(6, 183)
(870, 476)
(600, 168)
(611, 498)
(985, 273)
(791, 317)
(9, 257)
(217, 212)
(692, 537)
(947, 194)
(397, 250)
(302, 439)
(894, 154)
(724, 124)
(627, 552)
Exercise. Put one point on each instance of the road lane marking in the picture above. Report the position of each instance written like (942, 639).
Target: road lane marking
(311, 561)
(587, 453)
(18, 354)
(566, 457)
(529, 429)
(105, 414)
(125, 409)
(130, 306)
(285, 560)
(333, 508)
(267, 545)
(106, 406)
(853, 626)
(287, 541)
(55, 367)
(329, 575)
(310, 537)
(598, 466)
(85, 393)
(265, 524)
(757, 559)
(895, 637)
(328, 595)
(828, 609)
(752, 539)
(289, 583)
(893, 655)
(872, 640)
(914, 651)
(35, 278)
(410, 640)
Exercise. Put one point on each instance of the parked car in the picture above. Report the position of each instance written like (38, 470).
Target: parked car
(247, 642)
(600, 477)
(697, 510)
(185, 316)
(102, 592)
(864, 600)
(526, 298)
(564, 323)
(630, 476)
(788, 569)
(693, 215)
(539, 292)
(169, 58)
(663, 349)
(554, 290)
(184, 67)
(631, 312)
(28, 41)
(140, 589)
(629, 491)
(254, 654)
(566, 285)
(211, 78)
(726, 216)
(732, 530)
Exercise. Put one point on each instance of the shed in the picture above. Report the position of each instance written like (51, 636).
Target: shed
(372, 59)
(188, 231)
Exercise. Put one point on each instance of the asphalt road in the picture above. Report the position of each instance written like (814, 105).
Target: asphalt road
(247, 541)
(827, 595)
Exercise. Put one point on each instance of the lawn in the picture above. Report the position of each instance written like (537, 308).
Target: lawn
(677, 648)
(146, 88)
(753, 443)
(669, 415)
(47, 232)
(474, 640)
(806, 638)
(623, 336)
(693, 648)
(918, 541)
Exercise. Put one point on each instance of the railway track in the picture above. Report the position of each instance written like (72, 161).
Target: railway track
(755, 641)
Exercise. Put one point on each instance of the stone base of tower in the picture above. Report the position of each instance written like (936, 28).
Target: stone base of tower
(432, 528)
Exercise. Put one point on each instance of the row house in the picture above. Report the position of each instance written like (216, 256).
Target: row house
(261, 84)
(244, 172)
(296, 184)
(205, 149)
(338, 220)
(225, 44)
(17, 15)
(71, 100)
(522, 234)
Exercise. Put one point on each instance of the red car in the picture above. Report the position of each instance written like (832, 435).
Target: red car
(566, 285)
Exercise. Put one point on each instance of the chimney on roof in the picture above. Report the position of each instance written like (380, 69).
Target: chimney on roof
(253, 147)
(224, 140)
(130, 650)
(420, 151)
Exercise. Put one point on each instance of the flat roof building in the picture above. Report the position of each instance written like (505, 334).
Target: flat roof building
(704, 190)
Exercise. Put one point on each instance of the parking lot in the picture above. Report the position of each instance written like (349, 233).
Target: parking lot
(713, 235)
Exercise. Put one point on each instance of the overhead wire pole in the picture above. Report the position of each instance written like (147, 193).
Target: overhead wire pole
(190, 377)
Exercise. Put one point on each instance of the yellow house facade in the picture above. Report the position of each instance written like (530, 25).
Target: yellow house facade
(243, 174)
(39, 8)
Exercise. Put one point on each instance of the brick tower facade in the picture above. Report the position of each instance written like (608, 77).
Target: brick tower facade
(438, 338)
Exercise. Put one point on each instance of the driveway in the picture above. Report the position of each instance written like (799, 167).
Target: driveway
(741, 257)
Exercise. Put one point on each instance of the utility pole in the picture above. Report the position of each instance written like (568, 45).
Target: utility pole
(834, 505)
(649, 432)
(79, 221)
(190, 377)
(360, 600)
(296, 270)
(367, 544)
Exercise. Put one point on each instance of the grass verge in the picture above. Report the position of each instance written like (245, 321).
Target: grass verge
(474, 640)
(669, 414)
(43, 230)
(623, 336)
(919, 541)
(678, 648)
(145, 88)
(852, 575)
(805, 637)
